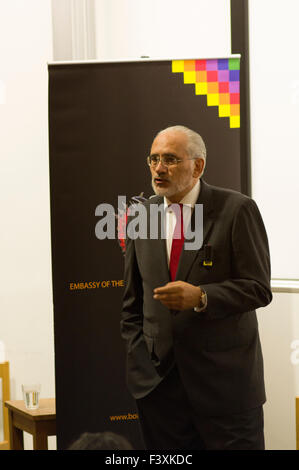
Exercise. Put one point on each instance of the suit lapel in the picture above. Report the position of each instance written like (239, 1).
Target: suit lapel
(188, 256)
(158, 245)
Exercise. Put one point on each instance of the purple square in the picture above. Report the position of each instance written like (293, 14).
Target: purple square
(223, 75)
(234, 75)
(222, 64)
(234, 87)
(212, 64)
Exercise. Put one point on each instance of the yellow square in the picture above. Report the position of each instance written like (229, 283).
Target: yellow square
(177, 66)
(213, 99)
(201, 88)
(234, 121)
(189, 77)
(224, 110)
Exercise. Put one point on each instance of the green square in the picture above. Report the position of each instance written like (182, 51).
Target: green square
(234, 64)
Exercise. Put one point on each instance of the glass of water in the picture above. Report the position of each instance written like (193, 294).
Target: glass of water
(31, 394)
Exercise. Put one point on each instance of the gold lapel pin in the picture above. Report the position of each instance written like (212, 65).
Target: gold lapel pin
(207, 250)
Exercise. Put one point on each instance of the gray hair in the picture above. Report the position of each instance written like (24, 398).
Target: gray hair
(196, 146)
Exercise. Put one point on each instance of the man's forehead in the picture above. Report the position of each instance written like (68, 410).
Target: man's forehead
(171, 138)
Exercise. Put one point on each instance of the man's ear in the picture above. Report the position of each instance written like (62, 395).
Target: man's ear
(199, 165)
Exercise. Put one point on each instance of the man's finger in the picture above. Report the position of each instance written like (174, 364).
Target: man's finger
(165, 296)
(168, 288)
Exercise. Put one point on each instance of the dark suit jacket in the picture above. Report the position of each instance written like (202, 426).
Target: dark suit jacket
(218, 351)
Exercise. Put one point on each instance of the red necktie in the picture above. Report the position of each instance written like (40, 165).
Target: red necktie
(177, 242)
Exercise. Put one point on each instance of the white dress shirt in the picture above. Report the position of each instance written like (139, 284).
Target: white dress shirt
(188, 202)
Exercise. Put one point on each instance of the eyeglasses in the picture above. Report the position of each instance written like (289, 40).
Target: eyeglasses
(166, 160)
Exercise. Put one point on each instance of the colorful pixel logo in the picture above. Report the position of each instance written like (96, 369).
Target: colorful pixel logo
(218, 79)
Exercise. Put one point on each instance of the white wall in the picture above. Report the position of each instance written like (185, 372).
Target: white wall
(278, 326)
(274, 92)
(26, 317)
(274, 83)
(168, 28)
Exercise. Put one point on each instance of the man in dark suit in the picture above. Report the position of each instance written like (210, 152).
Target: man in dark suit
(194, 360)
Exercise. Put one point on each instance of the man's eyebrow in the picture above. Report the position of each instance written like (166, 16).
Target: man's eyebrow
(164, 155)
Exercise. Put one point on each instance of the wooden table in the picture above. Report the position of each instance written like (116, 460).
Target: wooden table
(41, 423)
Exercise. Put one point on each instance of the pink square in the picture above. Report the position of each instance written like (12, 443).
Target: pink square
(212, 64)
(223, 75)
(234, 87)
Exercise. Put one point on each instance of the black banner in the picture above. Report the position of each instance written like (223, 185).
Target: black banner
(102, 120)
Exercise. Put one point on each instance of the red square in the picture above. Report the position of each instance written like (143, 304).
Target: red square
(212, 76)
(201, 64)
(235, 98)
(223, 87)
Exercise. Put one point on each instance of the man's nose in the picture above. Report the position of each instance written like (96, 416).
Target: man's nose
(161, 167)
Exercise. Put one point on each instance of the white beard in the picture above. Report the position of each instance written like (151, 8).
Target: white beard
(174, 188)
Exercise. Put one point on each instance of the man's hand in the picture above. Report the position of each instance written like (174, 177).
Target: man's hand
(178, 295)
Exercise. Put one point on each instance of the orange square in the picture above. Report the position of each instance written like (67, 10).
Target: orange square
(201, 76)
(213, 87)
(224, 98)
(189, 65)
(235, 110)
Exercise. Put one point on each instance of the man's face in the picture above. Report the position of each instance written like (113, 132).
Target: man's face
(173, 182)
